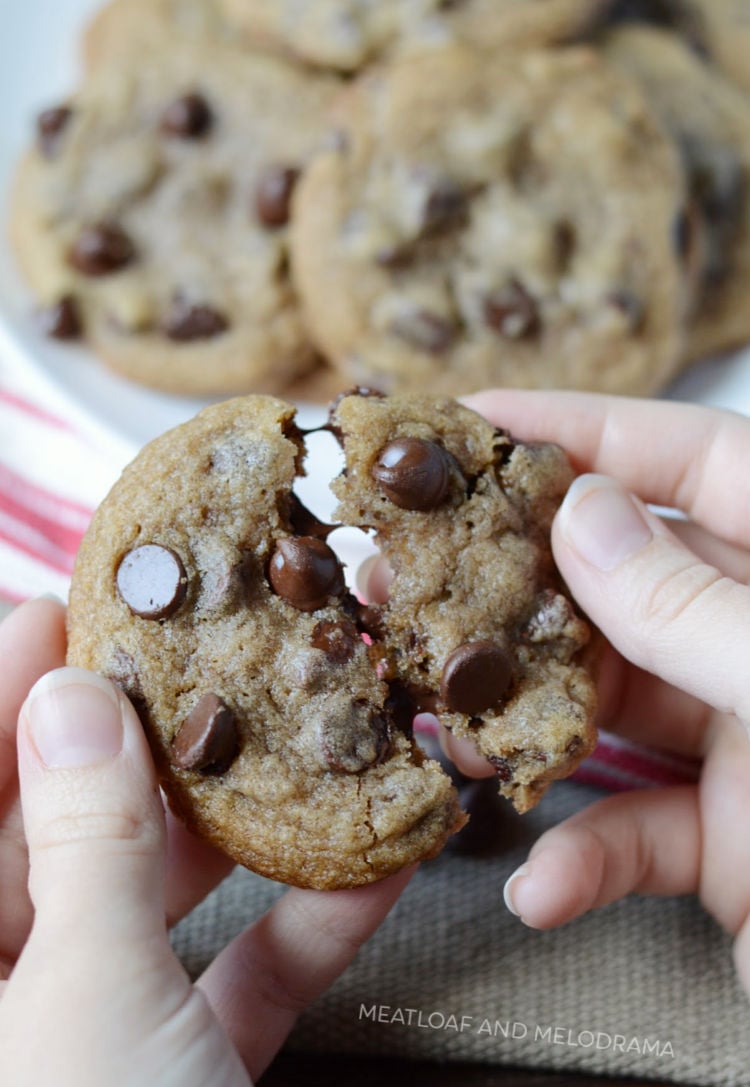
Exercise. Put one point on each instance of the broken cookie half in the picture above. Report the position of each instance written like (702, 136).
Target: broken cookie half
(210, 595)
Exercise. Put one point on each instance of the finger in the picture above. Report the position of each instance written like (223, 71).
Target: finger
(465, 756)
(647, 841)
(92, 812)
(642, 708)
(262, 981)
(679, 455)
(659, 605)
(733, 561)
(193, 869)
(32, 642)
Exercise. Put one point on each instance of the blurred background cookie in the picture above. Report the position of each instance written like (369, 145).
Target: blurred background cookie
(483, 223)
(709, 119)
(151, 217)
(348, 34)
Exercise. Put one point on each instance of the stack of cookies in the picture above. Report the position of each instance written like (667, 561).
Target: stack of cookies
(411, 194)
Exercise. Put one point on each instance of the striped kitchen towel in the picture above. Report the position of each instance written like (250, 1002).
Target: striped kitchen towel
(52, 477)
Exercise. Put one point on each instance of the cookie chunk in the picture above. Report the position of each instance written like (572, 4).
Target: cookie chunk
(235, 638)
(484, 223)
(209, 594)
(478, 626)
(347, 34)
(709, 119)
(156, 202)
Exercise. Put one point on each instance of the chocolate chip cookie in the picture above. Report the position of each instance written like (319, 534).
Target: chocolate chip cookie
(478, 627)
(709, 119)
(482, 223)
(207, 591)
(152, 216)
(348, 34)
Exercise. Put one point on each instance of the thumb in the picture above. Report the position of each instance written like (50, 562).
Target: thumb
(656, 602)
(92, 811)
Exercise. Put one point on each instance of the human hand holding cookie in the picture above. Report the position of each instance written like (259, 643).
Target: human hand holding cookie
(90, 868)
(673, 600)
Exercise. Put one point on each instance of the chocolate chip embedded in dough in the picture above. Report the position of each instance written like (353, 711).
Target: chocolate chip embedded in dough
(273, 195)
(353, 742)
(511, 312)
(189, 117)
(427, 331)
(101, 249)
(50, 125)
(371, 621)
(152, 581)
(413, 473)
(503, 768)
(61, 320)
(444, 206)
(305, 572)
(338, 640)
(476, 677)
(189, 321)
(207, 738)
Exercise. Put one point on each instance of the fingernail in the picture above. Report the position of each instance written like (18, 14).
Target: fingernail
(74, 719)
(508, 888)
(602, 522)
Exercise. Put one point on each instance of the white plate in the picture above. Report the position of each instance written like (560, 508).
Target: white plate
(39, 67)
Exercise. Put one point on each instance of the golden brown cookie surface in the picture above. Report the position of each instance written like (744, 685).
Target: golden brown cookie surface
(209, 594)
(155, 204)
(483, 223)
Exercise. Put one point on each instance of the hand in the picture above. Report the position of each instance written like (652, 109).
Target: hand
(673, 601)
(92, 992)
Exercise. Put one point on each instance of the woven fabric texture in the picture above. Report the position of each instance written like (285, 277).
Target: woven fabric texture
(645, 987)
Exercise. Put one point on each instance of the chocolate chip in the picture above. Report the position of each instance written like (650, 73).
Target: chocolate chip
(476, 677)
(303, 521)
(305, 572)
(337, 640)
(397, 256)
(50, 125)
(62, 320)
(413, 473)
(400, 707)
(101, 249)
(152, 581)
(207, 738)
(512, 312)
(370, 621)
(273, 195)
(185, 322)
(353, 743)
(188, 118)
(444, 207)
(425, 330)
(503, 768)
